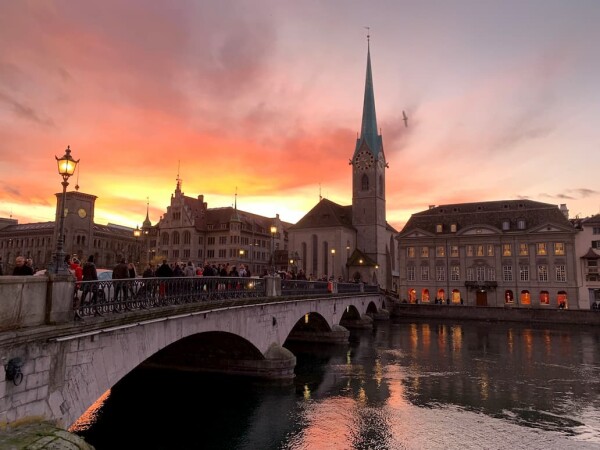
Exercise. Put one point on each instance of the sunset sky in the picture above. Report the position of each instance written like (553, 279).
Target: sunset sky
(503, 99)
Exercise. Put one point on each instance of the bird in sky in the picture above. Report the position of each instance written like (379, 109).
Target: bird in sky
(405, 118)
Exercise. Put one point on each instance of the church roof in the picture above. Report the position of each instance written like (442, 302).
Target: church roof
(493, 213)
(368, 131)
(326, 214)
(359, 258)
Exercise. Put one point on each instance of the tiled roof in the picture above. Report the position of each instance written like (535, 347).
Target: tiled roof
(591, 254)
(594, 220)
(487, 213)
(37, 226)
(326, 214)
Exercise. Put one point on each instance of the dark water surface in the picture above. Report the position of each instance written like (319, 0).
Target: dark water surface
(404, 385)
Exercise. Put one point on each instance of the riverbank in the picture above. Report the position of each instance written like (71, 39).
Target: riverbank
(39, 436)
(493, 314)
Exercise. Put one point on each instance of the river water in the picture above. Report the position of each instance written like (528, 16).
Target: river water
(416, 384)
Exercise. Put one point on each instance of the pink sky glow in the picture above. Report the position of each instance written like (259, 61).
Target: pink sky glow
(503, 100)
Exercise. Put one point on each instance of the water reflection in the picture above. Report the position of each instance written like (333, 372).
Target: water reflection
(414, 384)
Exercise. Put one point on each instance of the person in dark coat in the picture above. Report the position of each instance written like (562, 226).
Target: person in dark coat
(89, 273)
(164, 270)
(21, 268)
(120, 272)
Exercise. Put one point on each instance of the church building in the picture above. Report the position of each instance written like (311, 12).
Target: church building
(353, 242)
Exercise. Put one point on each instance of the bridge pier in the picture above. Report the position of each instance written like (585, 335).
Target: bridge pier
(365, 321)
(337, 335)
(382, 314)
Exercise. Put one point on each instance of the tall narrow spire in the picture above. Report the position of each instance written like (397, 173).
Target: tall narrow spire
(147, 223)
(178, 188)
(368, 131)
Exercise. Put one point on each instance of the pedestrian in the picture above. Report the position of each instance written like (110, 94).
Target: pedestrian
(189, 270)
(21, 268)
(89, 273)
(120, 272)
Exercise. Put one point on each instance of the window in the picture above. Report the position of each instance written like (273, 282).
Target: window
(453, 228)
(424, 252)
(508, 296)
(559, 248)
(507, 273)
(210, 253)
(187, 237)
(440, 251)
(490, 250)
(222, 240)
(596, 230)
(175, 236)
(440, 273)
(541, 249)
(544, 298)
(479, 250)
(469, 250)
(523, 249)
(410, 273)
(199, 253)
(455, 273)
(505, 225)
(424, 273)
(201, 240)
(438, 228)
(524, 273)
(186, 253)
(410, 252)
(364, 182)
(595, 244)
(491, 274)
(525, 298)
(542, 272)
(454, 251)
(175, 253)
(521, 224)
(164, 239)
(425, 295)
(561, 273)
(506, 250)
(470, 274)
(480, 273)
(222, 253)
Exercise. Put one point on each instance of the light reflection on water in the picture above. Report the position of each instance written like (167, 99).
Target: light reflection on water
(410, 385)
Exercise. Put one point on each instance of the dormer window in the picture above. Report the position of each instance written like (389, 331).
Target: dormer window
(521, 224)
(438, 228)
(505, 225)
(453, 228)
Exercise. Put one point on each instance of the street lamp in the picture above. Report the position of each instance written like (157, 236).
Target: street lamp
(137, 233)
(332, 263)
(66, 168)
(273, 233)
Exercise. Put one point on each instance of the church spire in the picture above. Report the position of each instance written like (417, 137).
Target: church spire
(368, 131)
(147, 223)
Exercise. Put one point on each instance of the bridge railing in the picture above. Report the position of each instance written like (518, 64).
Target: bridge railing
(303, 287)
(93, 298)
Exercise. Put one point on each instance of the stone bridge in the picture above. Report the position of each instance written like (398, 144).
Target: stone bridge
(57, 366)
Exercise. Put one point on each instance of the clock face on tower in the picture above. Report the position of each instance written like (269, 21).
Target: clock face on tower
(82, 213)
(364, 160)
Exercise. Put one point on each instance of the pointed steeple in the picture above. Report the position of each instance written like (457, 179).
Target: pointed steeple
(368, 131)
(147, 223)
(235, 217)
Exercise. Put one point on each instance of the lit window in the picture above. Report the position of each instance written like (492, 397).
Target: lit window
(507, 273)
(541, 248)
(454, 251)
(424, 252)
(559, 248)
(525, 298)
(410, 252)
(490, 250)
(425, 295)
(508, 296)
(524, 273)
(440, 251)
(544, 298)
(453, 228)
(480, 250)
(523, 249)
(506, 250)
(438, 228)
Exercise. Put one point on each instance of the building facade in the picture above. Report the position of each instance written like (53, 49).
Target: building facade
(587, 244)
(191, 231)
(82, 237)
(516, 253)
(353, 242)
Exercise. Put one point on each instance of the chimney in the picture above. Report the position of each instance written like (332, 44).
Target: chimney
(564, 210)
(431, 206)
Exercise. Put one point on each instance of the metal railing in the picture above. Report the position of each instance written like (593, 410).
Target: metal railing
(103, 297)
(303, 287)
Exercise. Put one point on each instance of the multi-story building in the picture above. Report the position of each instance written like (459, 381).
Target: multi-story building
(82, 237)
(190, 231)
(353, 242)
(501, 253)
(587, 244)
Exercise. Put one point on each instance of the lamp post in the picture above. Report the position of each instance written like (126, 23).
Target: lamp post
(332, 263)
(273, 233)
(137, 233)
(66, 168)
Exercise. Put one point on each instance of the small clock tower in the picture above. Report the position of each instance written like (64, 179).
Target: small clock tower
(79, 222)
(368, 181)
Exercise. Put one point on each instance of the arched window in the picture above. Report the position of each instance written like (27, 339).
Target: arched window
(508, 296)
(325, 258)
(364, 182)
(544, 298)
(412, 295)
(315, 255)
(525, 298)
(456, 296)
(187, 237)
(175, 235)
(425, 295)
(164, 239)
(440, 294)
(561, 298)
(303, 251)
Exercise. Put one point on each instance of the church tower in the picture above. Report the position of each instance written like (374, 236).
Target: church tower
(368, 180)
